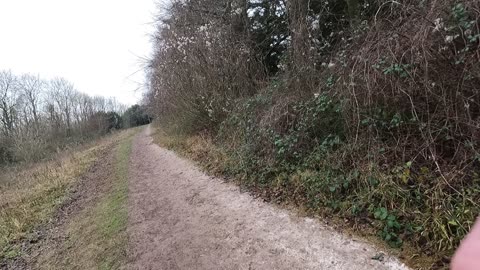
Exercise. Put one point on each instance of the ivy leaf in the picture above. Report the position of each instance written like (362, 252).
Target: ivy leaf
(381, 213)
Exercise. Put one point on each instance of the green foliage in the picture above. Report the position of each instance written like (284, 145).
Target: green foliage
(391, 227)
(462, 28)
(381, 213)
(114, 121)
(135, 116)
(403, 172)
(400, 70)
(393, 69)
(105, 122)
(461, 17)
(385, 120)
(315, 123)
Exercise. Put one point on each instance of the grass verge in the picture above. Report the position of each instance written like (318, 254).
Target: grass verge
(97, 236)
(37, 193)
(112, 213)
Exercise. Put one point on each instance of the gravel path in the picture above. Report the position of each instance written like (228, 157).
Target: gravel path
(179, 218)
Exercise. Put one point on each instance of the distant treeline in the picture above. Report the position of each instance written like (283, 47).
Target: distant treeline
(38, 117)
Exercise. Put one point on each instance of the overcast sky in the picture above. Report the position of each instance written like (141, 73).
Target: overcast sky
(95, 44)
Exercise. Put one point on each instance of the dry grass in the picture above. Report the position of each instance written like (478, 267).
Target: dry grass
(29, 197)
(96, 235)
(31, 193)
(196, 147)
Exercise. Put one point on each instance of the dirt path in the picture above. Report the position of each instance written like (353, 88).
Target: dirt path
(179, 218)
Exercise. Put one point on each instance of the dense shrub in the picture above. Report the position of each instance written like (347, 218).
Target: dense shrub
(136, 116)
(6, 151)
(369, 110)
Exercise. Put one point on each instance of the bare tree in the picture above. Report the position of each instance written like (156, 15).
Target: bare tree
(86, 107)
(63, 93)
(8, 101)
(32, 88)
(38, 116)
(112, 105)
(99, 104)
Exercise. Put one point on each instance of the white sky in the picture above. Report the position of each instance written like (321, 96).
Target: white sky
(95, 44)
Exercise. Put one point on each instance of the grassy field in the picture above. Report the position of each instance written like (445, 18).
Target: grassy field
(96, 236)
(92, 184)
(29, 197)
